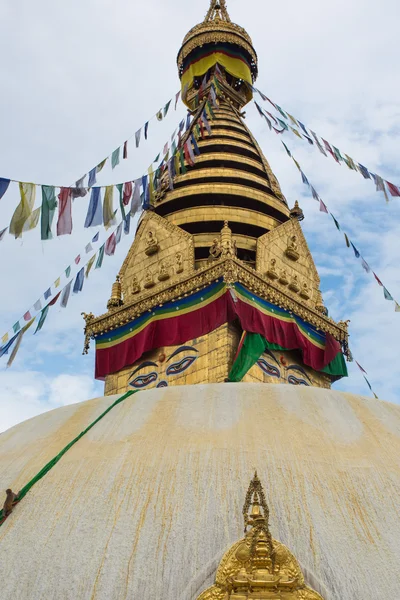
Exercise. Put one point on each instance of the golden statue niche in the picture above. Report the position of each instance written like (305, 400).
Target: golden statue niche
(258, 567)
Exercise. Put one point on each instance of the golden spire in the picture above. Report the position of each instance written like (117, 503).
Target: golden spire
(217, 10)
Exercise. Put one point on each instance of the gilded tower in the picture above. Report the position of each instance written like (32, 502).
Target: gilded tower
(219, 284)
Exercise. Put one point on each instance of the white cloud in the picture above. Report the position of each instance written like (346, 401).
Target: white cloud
(79, 78)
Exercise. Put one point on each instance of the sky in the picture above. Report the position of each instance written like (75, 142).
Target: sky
(80, 77)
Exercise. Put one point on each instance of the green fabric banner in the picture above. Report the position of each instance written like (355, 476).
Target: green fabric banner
(254, 345)
(55, 460)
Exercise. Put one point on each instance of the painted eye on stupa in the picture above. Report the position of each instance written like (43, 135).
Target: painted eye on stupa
(142, 381)
(296, 381)
(181, 365)
(268, 369)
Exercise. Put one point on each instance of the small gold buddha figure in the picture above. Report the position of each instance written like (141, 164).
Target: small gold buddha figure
(305, 291)
(135, 286)
(294, 284)
(292, 249)
(178, 262)
(283, 279)
(148, 280)
(215, 250)
(227, 243)
(272, 272)
(152, 245)
(163, 274)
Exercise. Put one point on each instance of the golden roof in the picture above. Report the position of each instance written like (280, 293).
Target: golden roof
(217, 27)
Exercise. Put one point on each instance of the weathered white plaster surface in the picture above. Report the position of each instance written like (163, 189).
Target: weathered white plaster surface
(144, 506)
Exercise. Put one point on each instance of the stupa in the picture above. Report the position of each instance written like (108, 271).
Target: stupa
(218, 357)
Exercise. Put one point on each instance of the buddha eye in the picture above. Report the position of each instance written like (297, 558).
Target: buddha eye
(142, 381)
(269, 369)
(181, 365)
(296, 381)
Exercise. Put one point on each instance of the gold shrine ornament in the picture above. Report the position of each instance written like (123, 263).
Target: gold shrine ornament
(258, 567)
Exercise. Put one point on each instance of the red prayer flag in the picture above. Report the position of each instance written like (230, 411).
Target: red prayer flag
(378, 280)
(331, 152)
(361, 369)
(78, 259)
(110, 245)
(27, 316)
(125, 155)
(52, 303)
(187, 155)
(202, 129)
(128, 187)
(393, 189)
(64, 223)
(323, 207)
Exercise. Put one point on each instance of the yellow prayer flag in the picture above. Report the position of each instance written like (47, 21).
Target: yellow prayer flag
(297, 164)
(24, 208)
(90, 265)
(296, 132)
(4, 339)
(292, 119)
(397, 309)
(32, 220)
(57, 283)
(108, 209)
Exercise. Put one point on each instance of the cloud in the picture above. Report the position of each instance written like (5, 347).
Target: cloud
(80, 78)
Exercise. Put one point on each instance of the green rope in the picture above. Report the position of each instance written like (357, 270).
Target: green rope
(55, 460)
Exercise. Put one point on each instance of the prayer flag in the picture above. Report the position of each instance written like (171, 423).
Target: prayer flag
(166, 108)
(115, 158)
(100, 258)
(378, 280)
(78, 259)
(296, 132)
(118, 234)
(3, 233)
(283, 125)
(170, 177)
(127, 224)
(356, 252)
(331, 152)
(347, 240)
(49, 205)
(128, 187)
(287, 149)
(27, 316)
(315, 194)
(159, 115)
(323, 207)
(182, 161)
(146, 203)
(54, 301)
(16, 327)
(304, 178)
(336, 222)
(364, 171)
(78, 285)
(64, 223)
(32, 220)
(108, 208)
(47, 294)
(4, 339)
(100, 166)
(191, 159)
(4, 349)
(320, 148)
(37, 306)
(18, 343)
(397, 309)
(165, 149)
(42, 319)
(146, 129)
(205, 121)
(182, 125)
(393, 189)
(92, 177)
(303, 128)
(365, 266)
(137, 137)
(4, 183)
(125, 154)
(94, 214)
(135, 204)
(293, 120)
(57, 282)
(95, 238)
(90, 265)
(67, 272)
(65, 295)
(350, 162)
(195, 146)
(284, 115)
(119, 187)
(177, 98)
(360, 367)
(110, 245)
(337, 153)
(88, 248)
(150, 188)
(387, 295)
(188, 120)
(24, 208)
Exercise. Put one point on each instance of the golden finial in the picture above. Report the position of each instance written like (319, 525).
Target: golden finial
(296, 212)
(217, 10)
(116, 295)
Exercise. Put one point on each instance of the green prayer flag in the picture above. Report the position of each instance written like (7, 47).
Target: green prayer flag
(67, 272)
(100, 258)
(42, 319)
(100, 166)
(49, 205)
(166, 108)
(16, 327)
(115, 158)
(182, 161)
(120, 187)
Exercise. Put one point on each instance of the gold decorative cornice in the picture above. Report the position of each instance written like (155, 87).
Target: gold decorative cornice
(258, 566)
(232, 270)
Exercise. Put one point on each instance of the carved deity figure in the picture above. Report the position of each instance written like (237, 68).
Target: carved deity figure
(152, 245)
(292, 249)
(283, 279)
(178, 262)
(163, 274)
(294, 284)
(272, 272)
(135, 286)
(305, 291)
(148, 280)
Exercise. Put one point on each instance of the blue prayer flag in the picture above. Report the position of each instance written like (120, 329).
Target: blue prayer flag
(94, 215)
(4, 349)
(4, 183)
(356, 252)
(92, 177)
(78, 285)
(96, 238)
(364, 171)
(146, 129)
(47, 294)
(127, 224)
